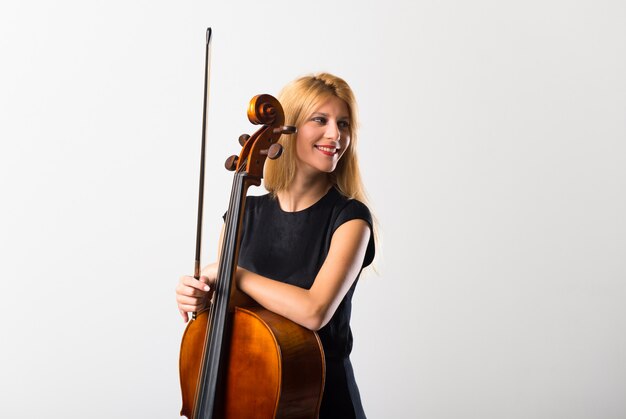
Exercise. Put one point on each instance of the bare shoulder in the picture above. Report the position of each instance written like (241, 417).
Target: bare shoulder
(349, 244)
(352, 232)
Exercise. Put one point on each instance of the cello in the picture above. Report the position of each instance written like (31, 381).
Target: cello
(247, 362)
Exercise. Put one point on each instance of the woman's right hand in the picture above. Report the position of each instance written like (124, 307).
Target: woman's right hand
(193, 295)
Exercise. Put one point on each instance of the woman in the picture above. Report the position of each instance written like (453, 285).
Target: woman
(305, 243)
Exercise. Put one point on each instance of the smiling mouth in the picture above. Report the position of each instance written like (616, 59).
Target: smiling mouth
(329, 151)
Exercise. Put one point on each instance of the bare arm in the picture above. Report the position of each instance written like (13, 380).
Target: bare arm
(313, 308)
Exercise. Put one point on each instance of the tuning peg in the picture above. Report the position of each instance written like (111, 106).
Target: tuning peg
(243, 138)
(285, 129)
(231, 163)
(273, 152)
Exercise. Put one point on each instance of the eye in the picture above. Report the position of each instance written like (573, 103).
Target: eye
(320, 120)
(343, 124)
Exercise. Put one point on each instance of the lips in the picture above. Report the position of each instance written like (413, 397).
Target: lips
(327, 150)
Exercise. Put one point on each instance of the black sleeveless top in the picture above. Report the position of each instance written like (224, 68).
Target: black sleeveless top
(291, 247)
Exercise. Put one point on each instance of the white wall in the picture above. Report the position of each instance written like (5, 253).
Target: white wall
(493, 147)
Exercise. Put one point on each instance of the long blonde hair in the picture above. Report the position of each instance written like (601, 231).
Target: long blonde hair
(300, 99)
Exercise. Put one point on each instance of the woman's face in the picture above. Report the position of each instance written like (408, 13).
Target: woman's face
(324, 137)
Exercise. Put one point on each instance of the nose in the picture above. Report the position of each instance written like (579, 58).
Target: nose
(332, 131)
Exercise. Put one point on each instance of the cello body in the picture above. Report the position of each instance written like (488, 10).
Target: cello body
(275, 368)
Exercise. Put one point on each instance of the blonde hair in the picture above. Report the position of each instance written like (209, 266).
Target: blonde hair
(300, 99)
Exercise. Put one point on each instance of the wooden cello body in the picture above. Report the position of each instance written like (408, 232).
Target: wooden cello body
(247, 362)
(274, 369)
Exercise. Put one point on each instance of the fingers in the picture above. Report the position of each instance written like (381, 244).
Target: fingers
(184, 300)
(191, 303)
(190, 308)
(191, 287)
(206, 280)
(192, 295)
(184, 314)
(201, 284)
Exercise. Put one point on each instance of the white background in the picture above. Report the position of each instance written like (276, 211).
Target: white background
(493, 149)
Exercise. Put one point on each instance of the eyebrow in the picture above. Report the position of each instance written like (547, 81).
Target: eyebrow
(326, 115)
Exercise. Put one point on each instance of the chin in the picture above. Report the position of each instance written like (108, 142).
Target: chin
(328, 169)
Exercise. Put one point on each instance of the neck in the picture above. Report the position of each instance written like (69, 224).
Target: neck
(303, 192)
